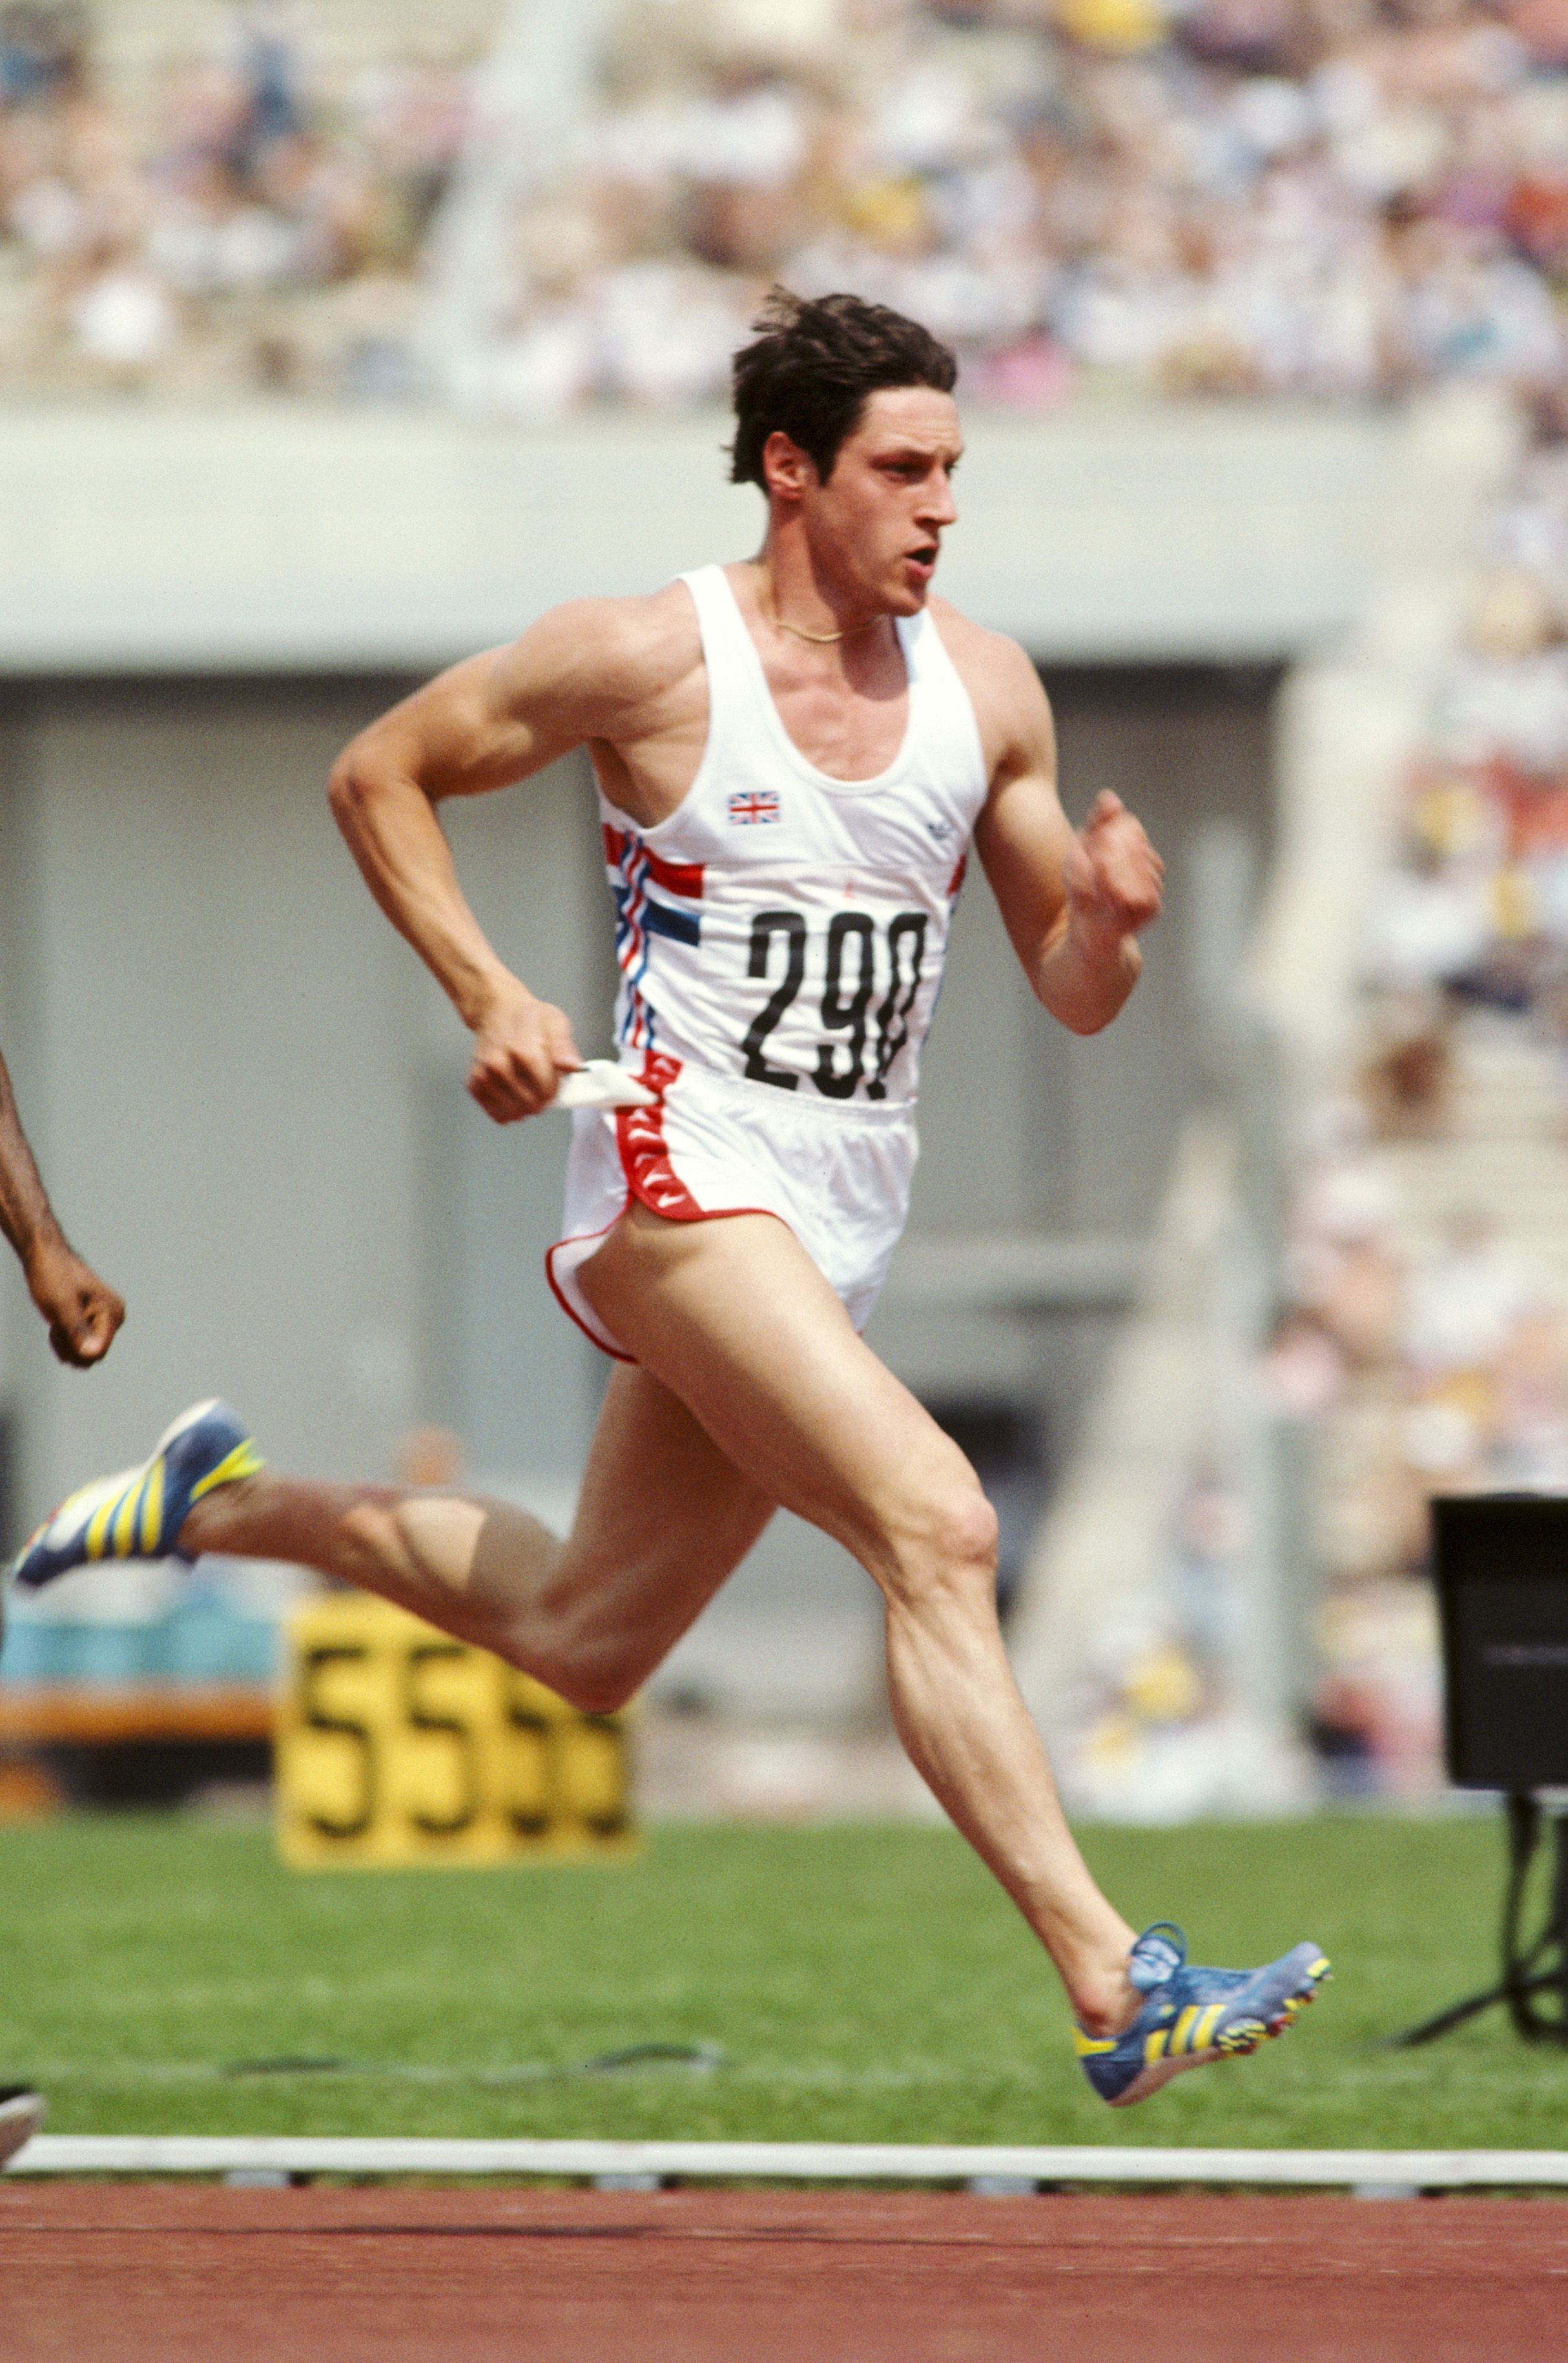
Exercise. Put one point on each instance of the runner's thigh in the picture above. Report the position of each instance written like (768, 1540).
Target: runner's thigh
(734, 1318)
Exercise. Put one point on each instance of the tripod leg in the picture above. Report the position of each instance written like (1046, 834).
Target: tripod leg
(1524, 1835)
(1559, 1929)
(1520, 1979)
(1447, 2020)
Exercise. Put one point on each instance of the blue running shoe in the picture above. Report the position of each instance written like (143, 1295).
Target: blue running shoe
(139, 1514)
(1193, 2016)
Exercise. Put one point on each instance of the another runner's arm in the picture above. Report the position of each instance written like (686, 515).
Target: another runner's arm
(1073, 900)
(82, 1311)
(483, 725)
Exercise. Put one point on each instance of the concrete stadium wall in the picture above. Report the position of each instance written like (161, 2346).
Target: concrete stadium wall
(282, 538)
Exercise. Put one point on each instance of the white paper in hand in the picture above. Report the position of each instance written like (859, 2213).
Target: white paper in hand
(601, 1084)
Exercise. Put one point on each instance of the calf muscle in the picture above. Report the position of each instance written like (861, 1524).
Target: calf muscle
(663, 1518)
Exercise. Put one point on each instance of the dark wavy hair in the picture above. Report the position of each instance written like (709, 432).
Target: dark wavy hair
(815, 361)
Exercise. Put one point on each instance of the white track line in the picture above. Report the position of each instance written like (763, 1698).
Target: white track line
(1368, 2169)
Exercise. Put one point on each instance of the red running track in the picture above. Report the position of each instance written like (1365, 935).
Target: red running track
(105, 2273)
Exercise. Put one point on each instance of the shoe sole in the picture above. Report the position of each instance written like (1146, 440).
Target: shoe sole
(1238, 2041)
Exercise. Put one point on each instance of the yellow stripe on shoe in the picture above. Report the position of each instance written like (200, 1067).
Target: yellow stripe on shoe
(152, 1509)
(124, 1536)
(97, 1531)
(243, 1461)
(1182, 2030)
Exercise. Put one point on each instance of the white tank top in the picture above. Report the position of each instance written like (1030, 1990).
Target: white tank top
(783, 925)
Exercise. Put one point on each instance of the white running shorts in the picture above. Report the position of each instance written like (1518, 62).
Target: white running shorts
(838, 1176)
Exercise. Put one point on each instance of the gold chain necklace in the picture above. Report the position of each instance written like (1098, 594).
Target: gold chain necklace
(820, 639)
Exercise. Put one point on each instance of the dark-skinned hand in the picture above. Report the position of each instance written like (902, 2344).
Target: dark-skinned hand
(82, 1311)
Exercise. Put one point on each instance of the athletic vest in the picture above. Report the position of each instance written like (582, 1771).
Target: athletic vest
(783, 925)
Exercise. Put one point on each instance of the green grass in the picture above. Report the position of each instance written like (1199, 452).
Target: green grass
(864, 1984)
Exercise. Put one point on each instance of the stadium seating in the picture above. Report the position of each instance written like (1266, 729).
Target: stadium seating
(1283, 197)
(1428, 1328)
(197, 201)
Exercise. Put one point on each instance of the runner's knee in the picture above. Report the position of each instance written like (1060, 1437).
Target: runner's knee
(943, 1540)
(595, 1663)
(600, 1690)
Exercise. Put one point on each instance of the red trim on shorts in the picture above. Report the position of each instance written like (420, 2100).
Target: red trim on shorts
(651, 1179)
(645, 1154)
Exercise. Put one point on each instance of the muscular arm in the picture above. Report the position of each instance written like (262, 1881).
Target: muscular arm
(1072, 902)
(483, 725)
(82, 1312)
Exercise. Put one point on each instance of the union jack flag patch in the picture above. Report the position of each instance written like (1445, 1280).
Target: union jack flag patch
(749, 807)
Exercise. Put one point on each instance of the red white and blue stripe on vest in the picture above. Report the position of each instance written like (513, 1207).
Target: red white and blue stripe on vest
(653, 898)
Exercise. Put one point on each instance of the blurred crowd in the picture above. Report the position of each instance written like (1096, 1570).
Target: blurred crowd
(1321, 197)
(1422, 1344)
(237, 230)
(1477, 909)
(1431, 1341)
(1426, 1364)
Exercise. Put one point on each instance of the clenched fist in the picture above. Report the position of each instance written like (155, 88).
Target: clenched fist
(1113, 878)
(522, 1048)
(82, 1311)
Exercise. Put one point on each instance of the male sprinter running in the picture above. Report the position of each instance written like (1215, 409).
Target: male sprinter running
(82, 1314)
(792, 754)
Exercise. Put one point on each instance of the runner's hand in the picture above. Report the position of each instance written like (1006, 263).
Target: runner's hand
(1112, 876)
(82, 1311)
(522, 1048)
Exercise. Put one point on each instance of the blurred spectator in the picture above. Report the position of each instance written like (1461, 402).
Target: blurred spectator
(430, 1456)
(1467, 1301)
(1407, 1079)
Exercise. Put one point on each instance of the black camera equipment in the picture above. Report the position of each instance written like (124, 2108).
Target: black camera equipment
(1501, 1565)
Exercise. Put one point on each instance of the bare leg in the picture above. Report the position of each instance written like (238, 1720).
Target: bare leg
(737, 1320)
(754, 1389)
(664, 1518)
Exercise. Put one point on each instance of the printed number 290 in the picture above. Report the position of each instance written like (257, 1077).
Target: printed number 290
(849, 989)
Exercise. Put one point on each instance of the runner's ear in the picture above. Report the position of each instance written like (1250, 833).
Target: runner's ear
(787, 472)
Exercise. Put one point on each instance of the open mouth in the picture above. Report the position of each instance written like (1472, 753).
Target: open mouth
(924, 558)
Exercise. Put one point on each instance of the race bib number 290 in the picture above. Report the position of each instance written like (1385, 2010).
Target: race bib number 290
(870, 979)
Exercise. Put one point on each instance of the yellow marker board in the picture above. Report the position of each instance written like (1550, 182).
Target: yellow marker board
(398, 1746)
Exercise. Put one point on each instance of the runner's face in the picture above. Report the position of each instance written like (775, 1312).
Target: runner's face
(876, 526)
